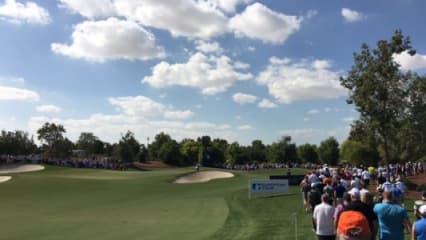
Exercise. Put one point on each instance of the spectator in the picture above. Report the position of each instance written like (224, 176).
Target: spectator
(402, 188)
(387, 186)
(339, 191)
(353, 225)
(323, 218)
(419, 228)
(356, 182)
(363, 189)
(366, 177)
(341, 207)
(306, 187)
(359, 206)
(381, 179)
(392, 219)
(418, 204)
(328, 189)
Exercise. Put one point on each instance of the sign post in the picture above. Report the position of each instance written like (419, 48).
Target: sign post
(265, 187)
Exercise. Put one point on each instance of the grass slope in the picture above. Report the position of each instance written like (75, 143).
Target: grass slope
(64, 203)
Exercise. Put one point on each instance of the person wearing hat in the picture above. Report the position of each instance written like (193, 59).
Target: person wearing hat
(418, 204)
(419, 227)
(359, 206)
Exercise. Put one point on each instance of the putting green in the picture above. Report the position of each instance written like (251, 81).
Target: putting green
(66, 203)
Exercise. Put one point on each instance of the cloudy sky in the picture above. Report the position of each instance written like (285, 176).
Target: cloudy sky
(234, 69)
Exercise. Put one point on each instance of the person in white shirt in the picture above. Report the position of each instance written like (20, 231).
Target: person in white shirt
(366, 177)
(323, 218)
(313, 177)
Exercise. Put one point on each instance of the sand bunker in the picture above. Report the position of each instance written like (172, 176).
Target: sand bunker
(5, 178)
(20, 168)
(205, 176)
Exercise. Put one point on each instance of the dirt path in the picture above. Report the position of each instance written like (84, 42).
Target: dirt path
(419, 180)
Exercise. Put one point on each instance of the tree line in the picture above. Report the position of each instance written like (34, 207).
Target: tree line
(205, 150)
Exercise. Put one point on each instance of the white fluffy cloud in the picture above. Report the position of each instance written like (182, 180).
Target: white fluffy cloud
(208, 47)
(90, 9)
(48, 109)
(259, 22)
(179, 115)
(29, 12)
(110, 39)
(211, 74)
(195, 19)
(290, 81)
(141, 115)
(20, 94)
(179, 17)
(265, 103)
(409, 62)
(242, 98)
(140, 106)
(352, 16)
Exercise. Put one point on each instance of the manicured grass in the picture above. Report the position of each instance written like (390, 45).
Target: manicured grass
(65, 203)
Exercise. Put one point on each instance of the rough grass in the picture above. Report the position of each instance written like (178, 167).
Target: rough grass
(64, 203)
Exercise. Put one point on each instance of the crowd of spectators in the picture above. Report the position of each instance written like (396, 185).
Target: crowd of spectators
(75, 162)
(345, 205)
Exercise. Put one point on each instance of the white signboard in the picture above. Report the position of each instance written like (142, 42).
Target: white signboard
(278, 186)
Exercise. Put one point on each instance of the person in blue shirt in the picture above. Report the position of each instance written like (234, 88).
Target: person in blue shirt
(419, 228)
(392, 219)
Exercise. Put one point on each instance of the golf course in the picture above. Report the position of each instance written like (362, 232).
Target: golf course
(69, 203)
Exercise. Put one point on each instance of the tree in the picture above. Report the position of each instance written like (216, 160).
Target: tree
(274, 153)
(203, 155)
(16, 143)
(356, 153)
(216, 156)
(88, 142)
(308, 153)
(413, 131)
(142, 156)
(62, 148)
(170, 153)
(284, 151)
(257, 151)
(50, 134)
(328, 151)
(377, 88)
(190, 150)
(155, 146)
(236, 154)
(128, 147)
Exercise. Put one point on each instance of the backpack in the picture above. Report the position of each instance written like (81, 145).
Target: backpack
(353, 225)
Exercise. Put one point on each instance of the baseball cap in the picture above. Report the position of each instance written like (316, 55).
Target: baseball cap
(422, 209)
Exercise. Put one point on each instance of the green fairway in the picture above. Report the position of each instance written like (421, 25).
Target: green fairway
(64, 203)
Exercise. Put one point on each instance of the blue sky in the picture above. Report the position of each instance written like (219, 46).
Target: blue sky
(234, 69)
